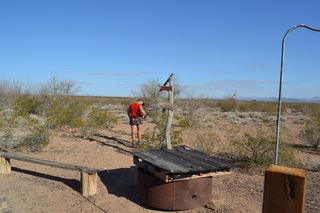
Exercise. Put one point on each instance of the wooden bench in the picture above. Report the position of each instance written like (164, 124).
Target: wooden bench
(88, 175)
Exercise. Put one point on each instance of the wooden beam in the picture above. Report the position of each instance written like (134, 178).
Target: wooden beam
(284, 190)
(167, 81)
(49, 163)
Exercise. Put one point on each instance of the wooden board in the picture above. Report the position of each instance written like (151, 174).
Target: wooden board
(50, 163)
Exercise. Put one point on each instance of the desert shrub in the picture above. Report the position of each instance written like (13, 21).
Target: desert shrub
(256, 148)
(58, 88)
(192, 108)
(268, 107)
(311, 133)
(255, 115)
(155, 138)
(182, 122)
(230, 116)
(97, 117)
(101, 117)
(66, 112)
(298, 121)
(302, 107)
(243, 115)
(27, 104)
(246, 122)
(315, 110)
(38, 137)
(205, 141)
(7, 124)
(228, 103)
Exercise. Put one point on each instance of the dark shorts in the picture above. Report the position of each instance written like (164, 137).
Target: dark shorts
(135, 121)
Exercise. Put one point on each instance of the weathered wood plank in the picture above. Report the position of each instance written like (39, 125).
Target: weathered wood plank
(214, 161)
(182, 159)
(163, 175)
(202, 166)
(50, 163)
(160, 162)
(188, 165)
(194, 176)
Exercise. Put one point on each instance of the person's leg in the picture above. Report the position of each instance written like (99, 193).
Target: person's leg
(139, 128)
(133, 132)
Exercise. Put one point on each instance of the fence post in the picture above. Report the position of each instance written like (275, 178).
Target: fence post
(284, 190)
(5, 166)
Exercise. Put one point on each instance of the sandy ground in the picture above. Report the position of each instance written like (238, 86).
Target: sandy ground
(37, 188)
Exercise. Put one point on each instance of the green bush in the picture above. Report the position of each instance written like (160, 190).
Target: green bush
(38, 137)
(206, 141)
(27, 104)
(256, 148)
(66, 112)
(97, 117)
(271, 108)
(182, 121)
(311, 133)
(155, 138)
(228, 103)
(7, 124)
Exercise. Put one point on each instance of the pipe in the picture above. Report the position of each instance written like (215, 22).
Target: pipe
(280, 87)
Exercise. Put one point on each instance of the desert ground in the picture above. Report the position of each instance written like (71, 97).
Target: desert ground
(37, 188)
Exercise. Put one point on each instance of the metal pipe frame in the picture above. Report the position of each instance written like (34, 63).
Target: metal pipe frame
(280, 87)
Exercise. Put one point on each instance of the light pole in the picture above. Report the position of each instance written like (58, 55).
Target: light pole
(280, 86)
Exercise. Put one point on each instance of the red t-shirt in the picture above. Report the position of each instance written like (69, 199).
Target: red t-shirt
(134, 109)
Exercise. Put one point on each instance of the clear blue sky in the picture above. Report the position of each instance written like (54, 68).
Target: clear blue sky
(216, 47)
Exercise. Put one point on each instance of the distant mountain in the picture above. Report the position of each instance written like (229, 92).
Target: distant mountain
(313, 99)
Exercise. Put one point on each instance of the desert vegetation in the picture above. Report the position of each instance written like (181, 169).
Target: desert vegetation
(31, 118)
(51, 122)
(242, 131)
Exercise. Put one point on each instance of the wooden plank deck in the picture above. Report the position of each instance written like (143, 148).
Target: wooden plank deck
(180, 162)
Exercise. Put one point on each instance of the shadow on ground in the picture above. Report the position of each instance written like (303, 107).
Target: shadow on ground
(106, 141)
(72, 183)
(306, 149)
(122, 183)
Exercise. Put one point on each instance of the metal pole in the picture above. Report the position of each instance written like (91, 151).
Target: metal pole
(280, 86)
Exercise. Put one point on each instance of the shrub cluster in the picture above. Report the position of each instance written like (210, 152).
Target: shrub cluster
(228, 103)
(256, 148)
(36, 117)
(155, 138)
(311, 131)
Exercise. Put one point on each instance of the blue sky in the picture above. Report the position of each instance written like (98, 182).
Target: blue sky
(215, 47)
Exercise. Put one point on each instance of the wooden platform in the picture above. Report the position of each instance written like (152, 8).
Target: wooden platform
(180, 163)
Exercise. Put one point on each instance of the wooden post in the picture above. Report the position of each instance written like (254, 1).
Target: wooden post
(5, 166)
(88, 183)
(284, 190)
(170, 116)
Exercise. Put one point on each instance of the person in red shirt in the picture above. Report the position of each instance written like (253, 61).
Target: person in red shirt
(136, 113)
